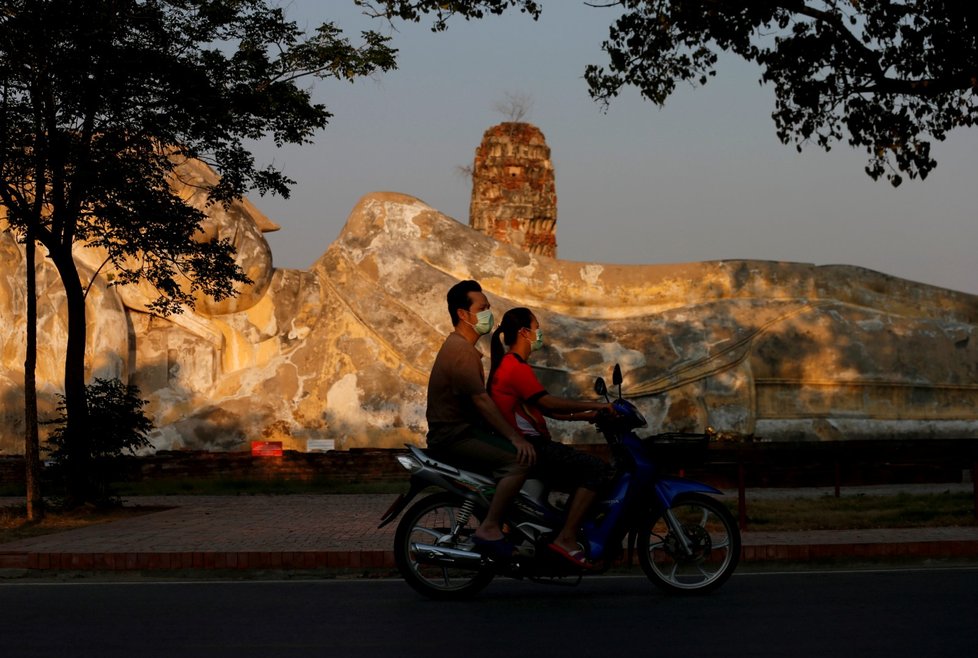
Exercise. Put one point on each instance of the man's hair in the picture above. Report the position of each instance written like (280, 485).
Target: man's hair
(458, 297)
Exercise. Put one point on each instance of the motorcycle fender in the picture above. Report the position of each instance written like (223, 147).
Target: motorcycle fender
(401, 502)
(669, 488)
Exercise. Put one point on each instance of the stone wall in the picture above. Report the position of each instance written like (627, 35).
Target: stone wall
(357, 465)
(789, 464)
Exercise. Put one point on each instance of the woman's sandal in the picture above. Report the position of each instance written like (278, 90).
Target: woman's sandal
(576, 556)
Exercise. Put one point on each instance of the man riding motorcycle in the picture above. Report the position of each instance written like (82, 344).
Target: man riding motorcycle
(465, 427)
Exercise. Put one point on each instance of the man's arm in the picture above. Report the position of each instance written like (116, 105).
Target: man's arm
(524, 451)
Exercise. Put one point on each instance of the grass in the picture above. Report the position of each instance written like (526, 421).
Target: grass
(239, 487)
(903, 510)
(245, 487)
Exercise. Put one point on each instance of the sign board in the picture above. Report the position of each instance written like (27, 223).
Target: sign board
(266, 448)
(320, 445)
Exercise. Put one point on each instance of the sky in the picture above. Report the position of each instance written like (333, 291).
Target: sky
(703, 178)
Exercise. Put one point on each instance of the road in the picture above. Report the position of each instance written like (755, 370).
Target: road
(913, 613)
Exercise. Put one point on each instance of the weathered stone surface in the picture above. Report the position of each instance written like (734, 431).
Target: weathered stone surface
(514, 198)
(343, 350)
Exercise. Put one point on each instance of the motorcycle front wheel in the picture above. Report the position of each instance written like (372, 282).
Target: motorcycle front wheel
(435, 520)
(703, 558)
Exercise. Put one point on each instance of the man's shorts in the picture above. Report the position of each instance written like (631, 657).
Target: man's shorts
(481, 451)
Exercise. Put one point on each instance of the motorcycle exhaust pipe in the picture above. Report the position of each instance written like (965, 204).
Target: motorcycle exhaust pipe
(446, 557)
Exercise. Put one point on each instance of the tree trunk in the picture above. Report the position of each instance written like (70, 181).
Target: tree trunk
(32, 452)
(76, 407)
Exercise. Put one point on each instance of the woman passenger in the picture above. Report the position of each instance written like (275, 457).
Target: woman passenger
(525, 403)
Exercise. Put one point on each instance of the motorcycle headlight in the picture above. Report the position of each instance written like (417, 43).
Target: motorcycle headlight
(630, 414)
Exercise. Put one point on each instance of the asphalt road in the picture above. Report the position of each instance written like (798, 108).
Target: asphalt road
(927, 612)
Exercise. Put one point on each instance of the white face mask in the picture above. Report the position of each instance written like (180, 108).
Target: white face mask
(538, 343)
(484, 322)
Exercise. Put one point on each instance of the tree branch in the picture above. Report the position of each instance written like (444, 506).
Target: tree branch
(925, 87)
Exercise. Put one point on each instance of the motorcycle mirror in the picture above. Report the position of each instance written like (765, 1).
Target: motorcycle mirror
(616, 379)
(601, 388)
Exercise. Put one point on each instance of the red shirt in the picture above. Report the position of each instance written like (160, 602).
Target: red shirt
(515, 390)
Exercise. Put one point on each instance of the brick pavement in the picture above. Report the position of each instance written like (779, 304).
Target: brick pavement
(340, 532)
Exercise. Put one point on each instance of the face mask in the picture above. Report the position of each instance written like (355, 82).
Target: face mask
(538, 343)
(484, 322)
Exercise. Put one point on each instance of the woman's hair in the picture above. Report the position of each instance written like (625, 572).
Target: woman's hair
(509, 328)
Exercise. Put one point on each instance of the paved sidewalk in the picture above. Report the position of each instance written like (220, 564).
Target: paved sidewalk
(340, 532)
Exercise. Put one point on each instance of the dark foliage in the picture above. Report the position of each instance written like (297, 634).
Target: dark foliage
(117, 427)
(887, 76)
(103, 99)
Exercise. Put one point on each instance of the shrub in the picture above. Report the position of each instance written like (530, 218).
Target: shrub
(116, 428)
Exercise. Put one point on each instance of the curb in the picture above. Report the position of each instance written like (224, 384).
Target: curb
(955, 548)
(243, 560)
(384, 559)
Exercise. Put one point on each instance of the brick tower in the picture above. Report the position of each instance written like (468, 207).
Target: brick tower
(514, 198)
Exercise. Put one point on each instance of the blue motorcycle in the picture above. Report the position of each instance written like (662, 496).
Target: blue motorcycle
(687, 541)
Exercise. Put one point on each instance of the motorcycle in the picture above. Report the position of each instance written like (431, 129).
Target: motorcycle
(687, 541)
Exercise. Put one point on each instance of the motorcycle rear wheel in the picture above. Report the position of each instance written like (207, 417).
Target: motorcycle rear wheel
(714, 540)
(433, 520)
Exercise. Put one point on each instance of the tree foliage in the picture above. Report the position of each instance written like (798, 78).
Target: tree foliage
(415, 10)
(100, 103)
(118, 428)
(887, 76)
(103, 99)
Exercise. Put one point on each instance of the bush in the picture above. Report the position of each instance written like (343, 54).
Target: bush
(116, 428)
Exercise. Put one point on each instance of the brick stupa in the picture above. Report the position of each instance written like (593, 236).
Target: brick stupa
(514, 198)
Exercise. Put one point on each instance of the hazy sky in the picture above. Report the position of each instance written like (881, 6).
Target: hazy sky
(704, 178)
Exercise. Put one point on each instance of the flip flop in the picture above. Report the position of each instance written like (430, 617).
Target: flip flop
(575, 557)
(499, 549)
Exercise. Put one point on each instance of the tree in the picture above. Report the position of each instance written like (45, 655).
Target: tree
(515, 107)
(32, 446)
(887, 76)
(102, 100)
